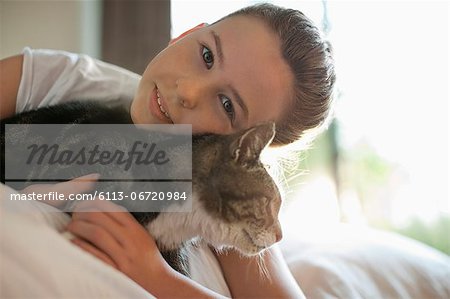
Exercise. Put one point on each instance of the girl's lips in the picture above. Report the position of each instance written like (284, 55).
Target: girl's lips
(155, 109)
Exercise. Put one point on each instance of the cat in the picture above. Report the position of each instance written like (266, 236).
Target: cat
(235, 202)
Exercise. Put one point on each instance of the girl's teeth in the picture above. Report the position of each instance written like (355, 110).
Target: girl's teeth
(160, 106)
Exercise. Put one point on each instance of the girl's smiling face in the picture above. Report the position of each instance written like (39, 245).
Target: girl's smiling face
(221, 79)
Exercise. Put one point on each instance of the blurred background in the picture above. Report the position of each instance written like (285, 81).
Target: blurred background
(382, 163)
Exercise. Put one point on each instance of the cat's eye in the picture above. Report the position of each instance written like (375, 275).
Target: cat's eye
(208, 57)
(227, 106)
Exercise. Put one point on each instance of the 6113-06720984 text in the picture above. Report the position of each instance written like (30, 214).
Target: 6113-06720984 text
(141, 196)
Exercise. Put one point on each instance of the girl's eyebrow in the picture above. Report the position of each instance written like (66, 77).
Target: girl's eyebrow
(218, 43)
(219, 51)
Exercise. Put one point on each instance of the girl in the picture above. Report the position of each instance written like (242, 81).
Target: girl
(261, 63)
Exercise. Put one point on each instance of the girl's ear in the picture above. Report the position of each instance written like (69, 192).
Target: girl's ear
(199, 26)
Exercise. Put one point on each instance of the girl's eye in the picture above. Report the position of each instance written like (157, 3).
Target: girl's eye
(227, 106)
(208, 57)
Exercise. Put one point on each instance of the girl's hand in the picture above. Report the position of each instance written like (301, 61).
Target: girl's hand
(117, 239)
(83, 184)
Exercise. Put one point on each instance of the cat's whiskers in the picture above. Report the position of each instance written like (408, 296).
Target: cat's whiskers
(262, 267)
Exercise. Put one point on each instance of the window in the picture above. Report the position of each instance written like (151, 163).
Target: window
(391, 129)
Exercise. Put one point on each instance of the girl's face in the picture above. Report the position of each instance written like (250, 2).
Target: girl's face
(221, 79)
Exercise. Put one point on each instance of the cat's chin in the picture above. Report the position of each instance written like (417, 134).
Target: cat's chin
(251, 249)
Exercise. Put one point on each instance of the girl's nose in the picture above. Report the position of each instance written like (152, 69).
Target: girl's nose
(191, 92)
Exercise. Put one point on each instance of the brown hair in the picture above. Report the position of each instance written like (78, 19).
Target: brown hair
(310, 59)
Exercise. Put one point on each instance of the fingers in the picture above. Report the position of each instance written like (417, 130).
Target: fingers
(83, 184)
(96, 240)
(113, 220)
(116, 212)
(103, 220)
(111, 234)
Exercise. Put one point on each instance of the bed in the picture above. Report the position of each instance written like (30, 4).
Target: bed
(36, 260)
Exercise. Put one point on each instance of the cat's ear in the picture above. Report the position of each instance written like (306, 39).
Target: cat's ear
(247, 145)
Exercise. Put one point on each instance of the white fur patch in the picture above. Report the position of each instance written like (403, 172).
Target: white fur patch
(172, 228)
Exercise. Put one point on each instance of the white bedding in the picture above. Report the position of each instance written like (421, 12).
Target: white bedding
(36, 261)
(349, 262)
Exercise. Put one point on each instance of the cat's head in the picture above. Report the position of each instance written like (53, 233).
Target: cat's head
(240, 199)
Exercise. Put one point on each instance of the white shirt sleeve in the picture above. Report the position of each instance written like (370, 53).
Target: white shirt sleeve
(50, 77)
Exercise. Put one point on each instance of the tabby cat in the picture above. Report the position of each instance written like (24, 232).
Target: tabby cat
(235, 202)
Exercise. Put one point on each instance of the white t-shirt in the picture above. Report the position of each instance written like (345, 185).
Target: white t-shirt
(50, 77)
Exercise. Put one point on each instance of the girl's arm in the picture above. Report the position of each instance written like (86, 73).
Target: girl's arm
(120, 241)
(245, 276)
(10, 74)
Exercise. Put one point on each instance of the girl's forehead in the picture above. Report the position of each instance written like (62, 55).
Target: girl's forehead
(244, 27)
(253, 63)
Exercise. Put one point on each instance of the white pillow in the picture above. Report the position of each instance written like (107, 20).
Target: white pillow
(348, 262)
